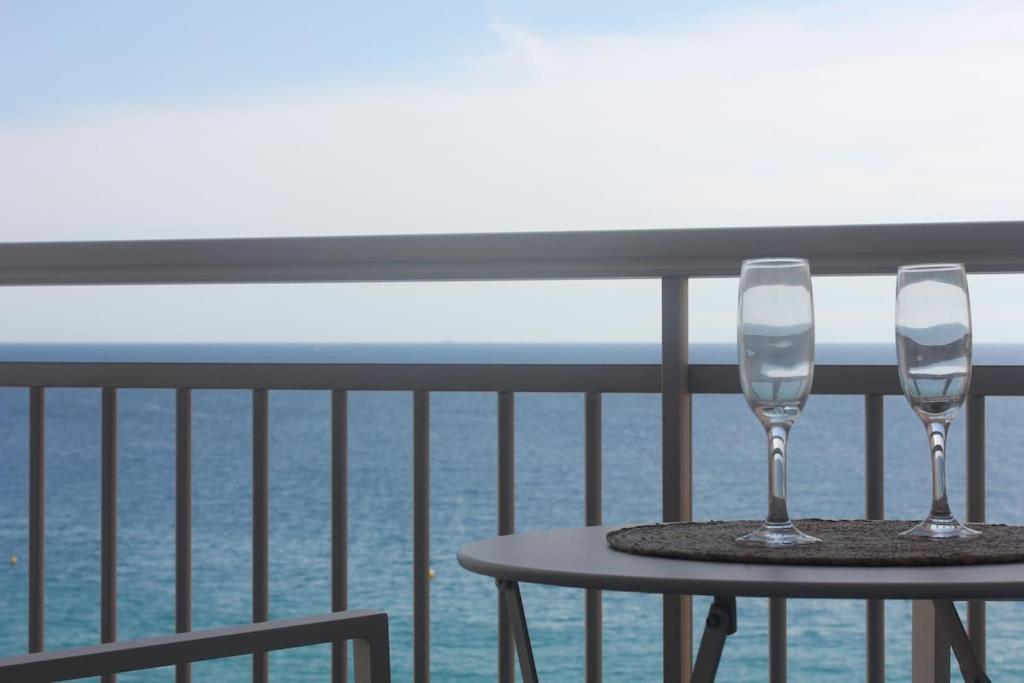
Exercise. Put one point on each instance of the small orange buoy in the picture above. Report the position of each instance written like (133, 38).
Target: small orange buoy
(431, 573)
(14, 560)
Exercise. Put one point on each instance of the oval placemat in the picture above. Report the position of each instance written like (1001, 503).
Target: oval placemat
(854, 542)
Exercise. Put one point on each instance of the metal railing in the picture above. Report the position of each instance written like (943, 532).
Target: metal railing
(671, 256)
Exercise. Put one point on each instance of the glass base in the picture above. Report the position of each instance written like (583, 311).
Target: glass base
(940, 528)
(776, 534)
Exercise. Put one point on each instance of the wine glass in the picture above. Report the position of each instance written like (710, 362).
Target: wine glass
(775, 340)
(933, 345)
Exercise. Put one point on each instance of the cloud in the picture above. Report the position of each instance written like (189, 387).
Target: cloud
(837, 114)
(826, 113)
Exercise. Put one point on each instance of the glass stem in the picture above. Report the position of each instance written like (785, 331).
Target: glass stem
(778, 437)
(937, 441)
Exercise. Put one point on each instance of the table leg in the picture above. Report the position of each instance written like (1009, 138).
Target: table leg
(949, 621)
(509, 591)
(720, 624)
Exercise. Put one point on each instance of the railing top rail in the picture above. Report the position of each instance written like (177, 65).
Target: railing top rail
(991, 247)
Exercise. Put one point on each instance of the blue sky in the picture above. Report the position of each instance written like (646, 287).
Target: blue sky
(124, 120)
(61, 56)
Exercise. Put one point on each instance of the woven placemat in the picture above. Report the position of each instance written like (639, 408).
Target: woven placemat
(854, 542)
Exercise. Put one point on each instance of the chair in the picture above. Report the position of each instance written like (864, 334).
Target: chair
(369, 630)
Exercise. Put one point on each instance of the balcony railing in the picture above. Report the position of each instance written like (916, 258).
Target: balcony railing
(671, 256)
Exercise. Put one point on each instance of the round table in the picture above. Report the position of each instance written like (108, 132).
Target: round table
(581, 558)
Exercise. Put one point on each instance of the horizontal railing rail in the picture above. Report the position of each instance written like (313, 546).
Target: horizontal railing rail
(839, 379)
(984, 247)
(368, 628)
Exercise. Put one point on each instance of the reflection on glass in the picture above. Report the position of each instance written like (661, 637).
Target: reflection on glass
(775, 340)
(933, 345)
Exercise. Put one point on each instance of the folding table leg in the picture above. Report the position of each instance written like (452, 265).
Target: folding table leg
(509, 590)
(720, 624)
(949, 620)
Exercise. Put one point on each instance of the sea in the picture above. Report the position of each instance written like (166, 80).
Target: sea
(826, 637)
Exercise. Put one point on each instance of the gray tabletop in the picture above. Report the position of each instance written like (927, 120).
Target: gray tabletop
(581, 558)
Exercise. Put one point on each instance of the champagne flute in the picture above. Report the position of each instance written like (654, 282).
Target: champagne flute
(775, 340)
(933, 345)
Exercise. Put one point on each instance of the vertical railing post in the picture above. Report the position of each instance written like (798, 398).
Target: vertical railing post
(976, 510)
(339, 525)
(36, 518)
(506, 521)
(260, 521)
(592, 517)
(930, 645)
(874, 508)
(183, 524)
(676, 464)
(108, 528)
(777, 655)
(421, 537)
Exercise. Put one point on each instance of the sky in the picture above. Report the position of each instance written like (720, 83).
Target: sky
(126, 120)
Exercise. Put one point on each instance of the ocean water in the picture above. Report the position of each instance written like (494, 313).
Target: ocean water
(826, 479)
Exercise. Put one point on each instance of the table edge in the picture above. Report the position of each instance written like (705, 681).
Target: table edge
(980, 590)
